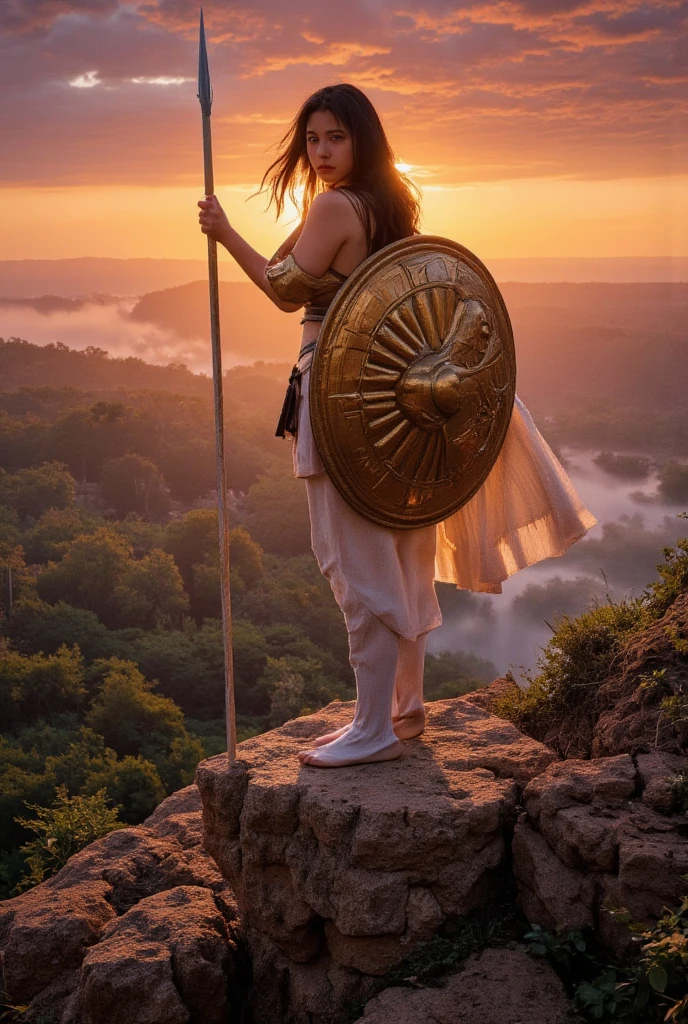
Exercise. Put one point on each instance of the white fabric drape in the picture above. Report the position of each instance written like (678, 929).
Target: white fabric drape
(389, 571)
(526, 510)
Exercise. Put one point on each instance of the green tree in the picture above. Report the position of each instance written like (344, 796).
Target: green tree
(191, 540)
(53, 684)
(293, 592)
(134, 484)
(276, 515)
(178, 767)
(15, 580)
(129, 716)
(295, 686)
(22, 443)
(70, 824)
(88, 574)
(46, 540)
(453, 673)
(32, 491)
(132, 783)
(190, 469)
(141, 534)
(83, 755)
(188, 665)
(38, 686)
(286, 688)
(85, 438)
(151, 592)
(39, 627)
(23, 780)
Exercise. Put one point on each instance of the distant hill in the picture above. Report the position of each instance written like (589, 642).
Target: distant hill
(251, 326)
(86, 275)
(23, 365)
(609, 345)
(621, 343)
(77, 277)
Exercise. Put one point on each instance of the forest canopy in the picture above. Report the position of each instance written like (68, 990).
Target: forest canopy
(111, 653)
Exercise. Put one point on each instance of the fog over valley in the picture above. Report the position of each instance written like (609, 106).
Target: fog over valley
(603, 368)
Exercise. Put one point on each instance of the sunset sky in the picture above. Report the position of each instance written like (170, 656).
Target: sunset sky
(536, 128)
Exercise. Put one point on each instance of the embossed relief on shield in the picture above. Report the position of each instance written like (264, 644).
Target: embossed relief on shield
(413, 382)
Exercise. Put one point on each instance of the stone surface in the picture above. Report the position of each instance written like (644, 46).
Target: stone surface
(588, 837)
(49, 933)
(166, 961)
(497, 986)
(486, 697)
(340, 873)
(657, 772)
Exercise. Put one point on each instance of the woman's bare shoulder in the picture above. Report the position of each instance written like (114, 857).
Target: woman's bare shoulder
(333, 205)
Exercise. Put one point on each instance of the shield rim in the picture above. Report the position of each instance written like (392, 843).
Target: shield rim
(318, 373)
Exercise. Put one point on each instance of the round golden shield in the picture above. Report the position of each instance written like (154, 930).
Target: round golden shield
(413, 381)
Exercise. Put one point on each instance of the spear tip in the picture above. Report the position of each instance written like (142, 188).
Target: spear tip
(205, 92)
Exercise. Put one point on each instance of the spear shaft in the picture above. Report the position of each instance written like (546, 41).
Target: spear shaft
(205, 96)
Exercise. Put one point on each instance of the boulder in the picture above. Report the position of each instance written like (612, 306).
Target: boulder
(340, 873)
(588, 837)
(166, 961)
(49, 934)
(657, 772)
(497, 986)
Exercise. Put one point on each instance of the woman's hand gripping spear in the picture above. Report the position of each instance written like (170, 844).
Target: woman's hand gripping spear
(205, 96)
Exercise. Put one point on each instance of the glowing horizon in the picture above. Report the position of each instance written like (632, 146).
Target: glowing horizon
(532, 130)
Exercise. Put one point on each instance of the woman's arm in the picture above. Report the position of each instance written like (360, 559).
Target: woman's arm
(331, 222)
(214, 222)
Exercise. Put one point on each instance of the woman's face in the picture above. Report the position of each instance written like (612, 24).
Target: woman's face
(330, 148)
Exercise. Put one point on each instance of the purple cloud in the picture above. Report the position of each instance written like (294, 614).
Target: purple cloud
(468, 90)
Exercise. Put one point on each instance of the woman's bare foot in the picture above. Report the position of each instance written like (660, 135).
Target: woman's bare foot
(406, 727)
(329, 737)
(339, 755)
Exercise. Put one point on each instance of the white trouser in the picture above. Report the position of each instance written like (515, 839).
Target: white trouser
(393, 570)
(389, 677)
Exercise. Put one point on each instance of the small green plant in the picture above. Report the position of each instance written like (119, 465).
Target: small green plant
(576, 660)
(653, 682)
(677, 641)
(62, 830)
(673, 577)
(679, 791)
(582, 651)
(675, 708)
(652, 990)
(564, 950)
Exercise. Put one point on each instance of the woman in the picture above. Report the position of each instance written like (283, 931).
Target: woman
(354, 203)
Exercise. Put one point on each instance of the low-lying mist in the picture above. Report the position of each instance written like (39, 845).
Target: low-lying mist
(106, 326)
(617, 558)
(106, 323)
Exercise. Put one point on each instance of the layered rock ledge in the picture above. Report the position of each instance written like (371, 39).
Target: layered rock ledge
(601, 833)
(137, 927)
(339, 874)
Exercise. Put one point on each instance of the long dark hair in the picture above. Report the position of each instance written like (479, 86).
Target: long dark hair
(378, 186)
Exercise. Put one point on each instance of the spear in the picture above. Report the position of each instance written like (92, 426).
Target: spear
(205, 96)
